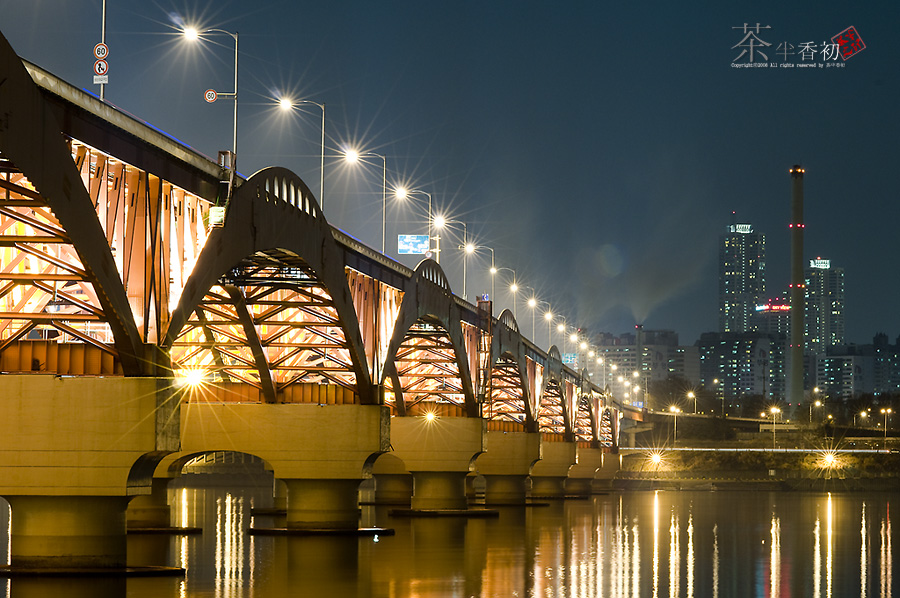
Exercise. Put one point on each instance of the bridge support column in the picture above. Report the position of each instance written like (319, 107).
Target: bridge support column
(393, 483)
(439, 454)
(581, 475)
(152, 510)
(548, 476)
(320, 452)
(71, 453)
(603, 479)
(506, 465)
(322, 504)
(67, 532)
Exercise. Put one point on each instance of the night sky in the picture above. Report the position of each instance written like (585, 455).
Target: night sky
(598, 148)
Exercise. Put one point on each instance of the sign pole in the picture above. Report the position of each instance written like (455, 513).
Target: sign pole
(103, 41)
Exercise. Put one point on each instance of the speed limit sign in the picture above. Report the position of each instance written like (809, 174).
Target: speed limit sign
(101, 51)
(210, 95)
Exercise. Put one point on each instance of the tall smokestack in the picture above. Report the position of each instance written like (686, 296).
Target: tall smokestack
(798, 289)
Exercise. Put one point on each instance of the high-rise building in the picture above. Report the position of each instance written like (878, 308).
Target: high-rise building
(739, 361)
(742, 278)
(824, 306)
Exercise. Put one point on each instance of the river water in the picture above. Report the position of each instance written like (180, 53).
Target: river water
(634, 544)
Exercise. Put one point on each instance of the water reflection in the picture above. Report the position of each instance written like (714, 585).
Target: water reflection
(626, 545)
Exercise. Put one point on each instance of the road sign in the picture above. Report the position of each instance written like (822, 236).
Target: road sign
(210, 95)
(101, 67)
(412, 244)
(101, 51)
(101, 79)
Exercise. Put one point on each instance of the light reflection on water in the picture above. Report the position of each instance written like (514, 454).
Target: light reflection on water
(692, 544)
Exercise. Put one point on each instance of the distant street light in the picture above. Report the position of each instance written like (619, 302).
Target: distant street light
(811, 405)
(860, 414)
(675, 411)
(693, 396)
(774, 411)
(353, 156)
(288, 104)
(885, 412)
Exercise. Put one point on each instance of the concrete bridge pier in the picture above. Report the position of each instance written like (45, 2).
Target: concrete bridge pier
(581, 474)
(319, 452)
(548, 476)
(151, 511)
(439, 454)
(506, 465)
(71, 457)
(67, 532)
(393, 483)
(603, 479)
(322, 503)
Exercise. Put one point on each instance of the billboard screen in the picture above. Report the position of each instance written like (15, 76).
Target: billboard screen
(412, 244)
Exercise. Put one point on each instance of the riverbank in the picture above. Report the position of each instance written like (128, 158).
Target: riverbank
(758, 470)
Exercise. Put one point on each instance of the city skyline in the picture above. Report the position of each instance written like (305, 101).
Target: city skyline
(598, 151)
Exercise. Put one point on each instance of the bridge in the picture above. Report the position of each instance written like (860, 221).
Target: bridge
(136, 336)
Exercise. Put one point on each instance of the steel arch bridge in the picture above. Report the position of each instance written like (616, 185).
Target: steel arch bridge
(109, 267)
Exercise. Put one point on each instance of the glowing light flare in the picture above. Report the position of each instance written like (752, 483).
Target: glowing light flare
(829, 460)
(352, 156)
(430, 416)
(548, 316)
(191, 378)
(191, 33)
(285, 104)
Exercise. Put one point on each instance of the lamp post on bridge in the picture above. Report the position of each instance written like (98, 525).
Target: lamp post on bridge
(288, 104)
(193, 34)
(886, 413)
(353, 157)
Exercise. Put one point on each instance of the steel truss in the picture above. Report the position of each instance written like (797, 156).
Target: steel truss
(506, 398)
(552, 412)
(269, 323)
(427, 371)
(154, 232)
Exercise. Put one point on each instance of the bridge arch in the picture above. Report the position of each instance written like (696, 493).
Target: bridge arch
(427, 354)
(508, 396)
(58, 211)
(270, 287)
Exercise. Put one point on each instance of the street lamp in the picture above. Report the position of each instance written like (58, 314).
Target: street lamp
(675, 411)
(548, 315)
(514, 288)
(288, 104)
(811, 405)
(774, 411)
(693, 396)
(885, 412)
(193, 34)
(353, 156)
(472, 248)
(439, 223)
(860, 414)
